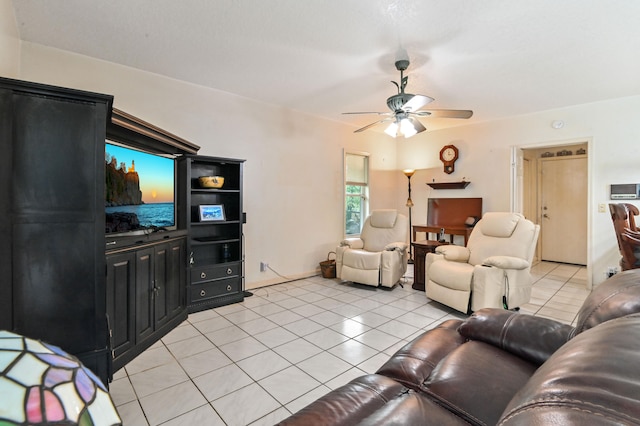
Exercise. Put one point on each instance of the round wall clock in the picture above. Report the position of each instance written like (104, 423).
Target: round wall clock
(448, 156)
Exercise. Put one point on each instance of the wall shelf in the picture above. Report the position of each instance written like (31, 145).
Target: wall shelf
(448, 185)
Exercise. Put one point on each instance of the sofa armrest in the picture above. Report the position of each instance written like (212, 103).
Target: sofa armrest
(349, 404)
(454, 253)
(354, 243)
(532, 338)
(506, 262)
(397, 246)
(412, 364)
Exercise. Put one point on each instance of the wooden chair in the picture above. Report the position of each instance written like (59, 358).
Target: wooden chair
(628, 236)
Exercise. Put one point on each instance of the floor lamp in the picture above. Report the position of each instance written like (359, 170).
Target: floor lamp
(408, 173)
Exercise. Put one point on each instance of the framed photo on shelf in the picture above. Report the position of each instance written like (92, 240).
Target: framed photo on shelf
(211, 212)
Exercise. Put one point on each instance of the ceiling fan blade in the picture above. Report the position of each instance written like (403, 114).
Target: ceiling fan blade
(445, 113)
(417, 125)
(371, 125)
(368, 112)
(416, 102)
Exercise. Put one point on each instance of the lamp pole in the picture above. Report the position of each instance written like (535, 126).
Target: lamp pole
(408, 173)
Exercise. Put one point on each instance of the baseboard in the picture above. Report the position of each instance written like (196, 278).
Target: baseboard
(279, 280)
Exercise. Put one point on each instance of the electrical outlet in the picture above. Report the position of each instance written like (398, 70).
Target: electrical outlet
(611, 271)
(263, 266)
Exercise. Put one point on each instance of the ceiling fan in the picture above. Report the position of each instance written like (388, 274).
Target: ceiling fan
(405, 107)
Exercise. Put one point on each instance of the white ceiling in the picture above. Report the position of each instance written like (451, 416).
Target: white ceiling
(497, 57)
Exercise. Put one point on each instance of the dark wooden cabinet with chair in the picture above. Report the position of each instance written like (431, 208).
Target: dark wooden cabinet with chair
(628, 236)
(449, 216)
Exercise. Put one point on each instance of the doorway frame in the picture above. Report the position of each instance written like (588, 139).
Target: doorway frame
(517, 191)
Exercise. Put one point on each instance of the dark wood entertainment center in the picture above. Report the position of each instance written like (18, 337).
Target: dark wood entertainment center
(103, 299)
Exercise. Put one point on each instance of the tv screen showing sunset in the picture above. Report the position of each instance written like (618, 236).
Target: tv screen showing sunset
(139, 189)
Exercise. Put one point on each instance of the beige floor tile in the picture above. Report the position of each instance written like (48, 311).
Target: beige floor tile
(271, 353)
(222, 381)
(171, 402)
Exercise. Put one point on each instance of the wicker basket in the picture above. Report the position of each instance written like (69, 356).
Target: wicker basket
(328, 267)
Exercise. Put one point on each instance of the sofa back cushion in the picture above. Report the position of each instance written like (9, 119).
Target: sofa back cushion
(502, 234)
(384, 227)
(476, 381)
(592, 379)
(616, 297)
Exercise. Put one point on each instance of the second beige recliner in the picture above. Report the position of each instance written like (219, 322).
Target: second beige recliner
(379, 256)
(492, 271)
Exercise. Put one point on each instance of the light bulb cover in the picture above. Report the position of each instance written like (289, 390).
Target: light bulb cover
(406, 128)
(392, 130)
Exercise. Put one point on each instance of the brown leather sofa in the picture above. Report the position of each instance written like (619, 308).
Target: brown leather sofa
(506, 368)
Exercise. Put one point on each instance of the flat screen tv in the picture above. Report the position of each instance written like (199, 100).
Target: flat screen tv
(139, 191)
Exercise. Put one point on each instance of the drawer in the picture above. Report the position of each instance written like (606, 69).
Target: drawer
(216, 272)
(204, 291)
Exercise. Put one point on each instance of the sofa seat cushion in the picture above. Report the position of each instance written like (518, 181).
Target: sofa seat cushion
(361, 259)
(411, 408)
(593, 379)
(452, 275)
(373, 400)
(496, 376)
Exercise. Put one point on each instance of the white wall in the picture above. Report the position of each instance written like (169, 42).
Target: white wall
(293, 173)
(485, 159)
(9, 41)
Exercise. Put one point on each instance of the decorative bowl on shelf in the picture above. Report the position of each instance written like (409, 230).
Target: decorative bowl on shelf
(211, 181)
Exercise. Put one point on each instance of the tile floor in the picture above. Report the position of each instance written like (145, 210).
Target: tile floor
(256, 362)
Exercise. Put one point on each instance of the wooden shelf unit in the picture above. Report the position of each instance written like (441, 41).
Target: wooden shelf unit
(448, 185)
(215, 248)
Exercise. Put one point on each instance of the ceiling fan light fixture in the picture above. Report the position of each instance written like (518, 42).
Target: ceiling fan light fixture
(392, 130)
(407, 128)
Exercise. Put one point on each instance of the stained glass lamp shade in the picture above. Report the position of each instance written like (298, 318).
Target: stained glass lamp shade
(40, 384)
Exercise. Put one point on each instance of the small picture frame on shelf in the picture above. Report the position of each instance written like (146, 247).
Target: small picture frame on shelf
(211, 212)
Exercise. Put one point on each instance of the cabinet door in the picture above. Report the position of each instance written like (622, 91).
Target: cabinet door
(161, 260)
(57, 221)
(121, 301)
(170, 275)
(144, 293)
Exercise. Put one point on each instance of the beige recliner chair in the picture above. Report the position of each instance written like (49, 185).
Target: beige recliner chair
(379, 256)
(493, 271)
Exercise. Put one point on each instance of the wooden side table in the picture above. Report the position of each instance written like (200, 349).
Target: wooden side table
(463, 230)
(420, 250)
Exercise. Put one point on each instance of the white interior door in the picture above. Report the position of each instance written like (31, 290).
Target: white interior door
(563, 203)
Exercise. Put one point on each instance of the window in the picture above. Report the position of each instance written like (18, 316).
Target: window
(356, 184)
